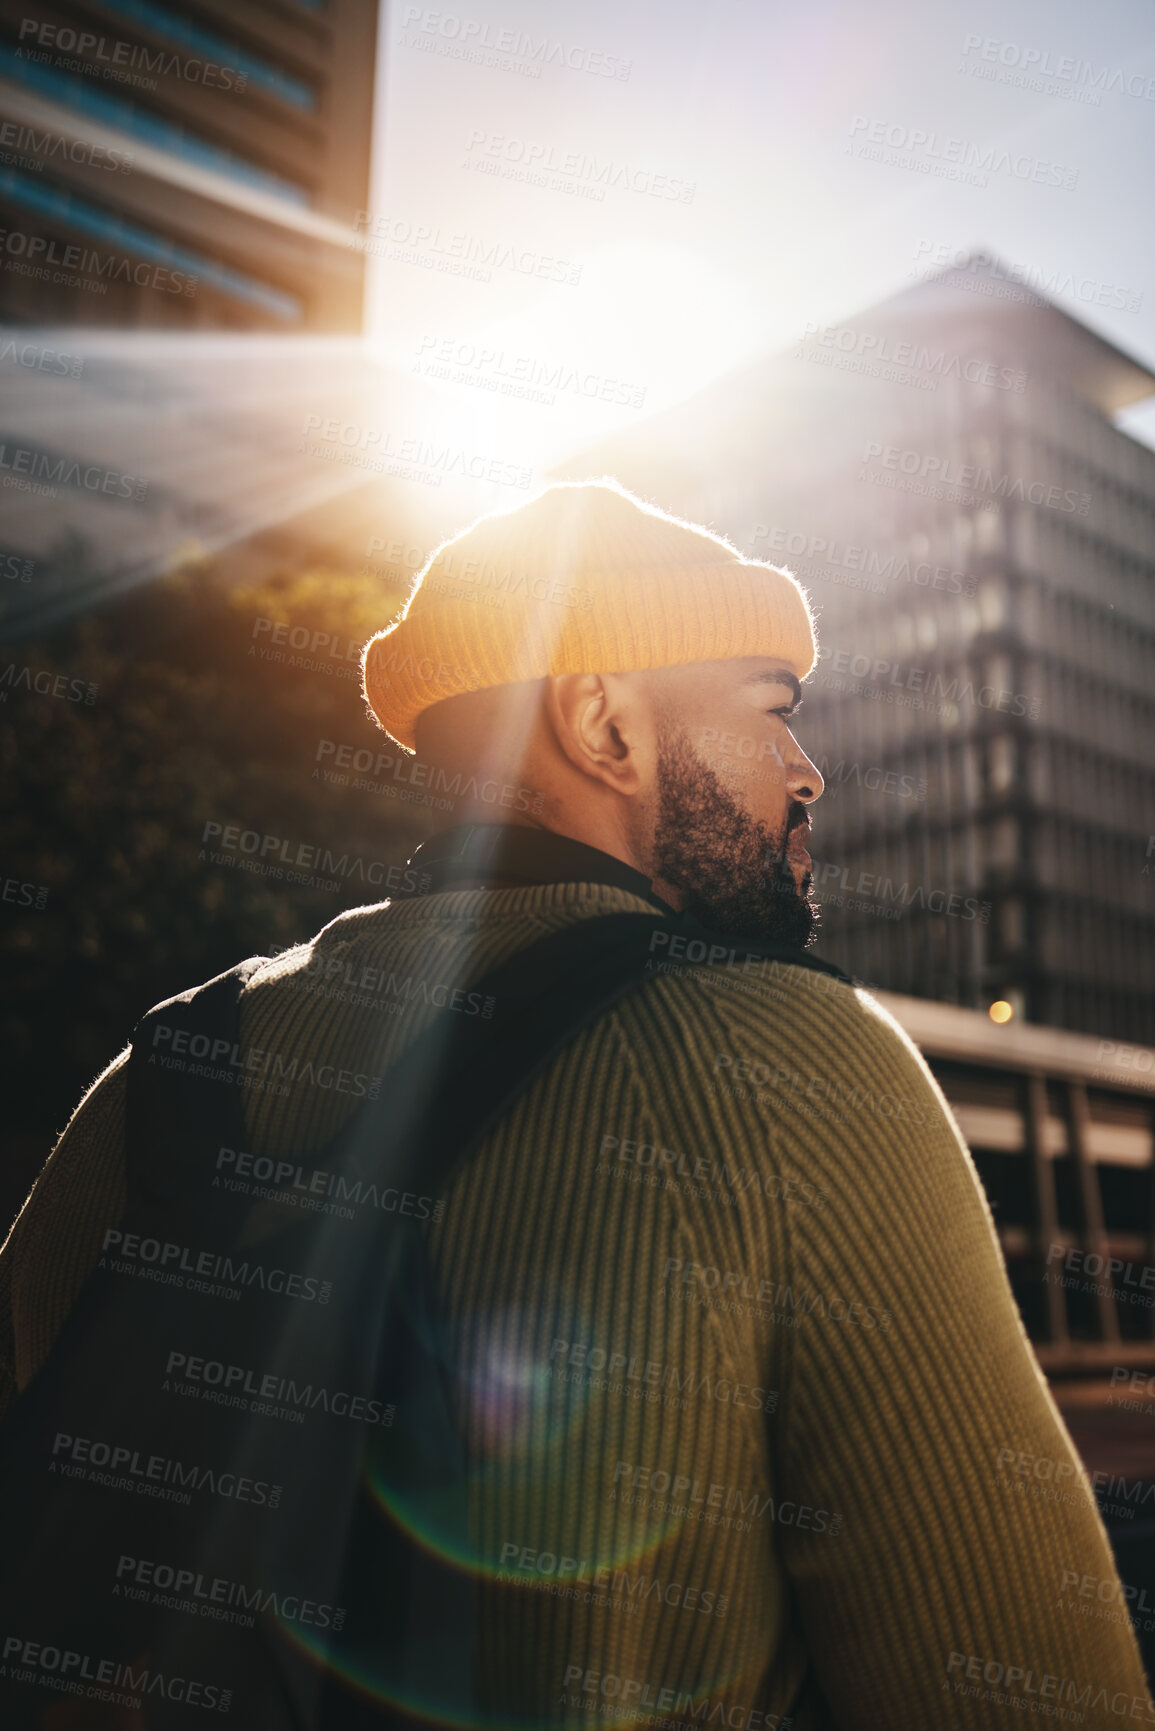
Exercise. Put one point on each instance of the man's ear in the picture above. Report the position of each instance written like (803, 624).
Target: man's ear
(599, 722)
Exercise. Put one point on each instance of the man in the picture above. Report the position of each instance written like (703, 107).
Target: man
(735, 1356)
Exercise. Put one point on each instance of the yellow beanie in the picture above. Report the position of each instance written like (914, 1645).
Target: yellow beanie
(583, 579)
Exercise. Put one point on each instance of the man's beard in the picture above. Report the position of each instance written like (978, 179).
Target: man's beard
(732, 869)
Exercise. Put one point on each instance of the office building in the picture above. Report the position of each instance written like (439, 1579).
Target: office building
(180, 287)
(185, 166)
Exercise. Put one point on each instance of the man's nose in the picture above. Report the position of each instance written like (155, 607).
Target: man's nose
(803, 781)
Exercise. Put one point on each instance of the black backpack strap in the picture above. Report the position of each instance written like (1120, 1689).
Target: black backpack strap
(450, 1086)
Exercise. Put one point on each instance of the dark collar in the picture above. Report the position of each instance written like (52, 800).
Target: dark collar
(509, 856)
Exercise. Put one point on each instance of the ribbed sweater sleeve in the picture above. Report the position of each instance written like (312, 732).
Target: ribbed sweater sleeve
(923, 1420)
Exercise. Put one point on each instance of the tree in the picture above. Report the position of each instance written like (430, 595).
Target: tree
(185, 704)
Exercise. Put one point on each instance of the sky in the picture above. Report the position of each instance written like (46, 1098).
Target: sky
(682, 189)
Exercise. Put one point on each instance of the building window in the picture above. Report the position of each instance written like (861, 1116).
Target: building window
(992, 606)
(1003, 844)
(1001, 762)
(218, 50)
(138, 122)
(986, 531)
(91, 219)
(1011, 926)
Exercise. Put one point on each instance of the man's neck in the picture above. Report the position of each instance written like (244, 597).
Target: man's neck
(509, 854)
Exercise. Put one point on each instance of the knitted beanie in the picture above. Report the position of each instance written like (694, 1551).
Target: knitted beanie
(583, 579)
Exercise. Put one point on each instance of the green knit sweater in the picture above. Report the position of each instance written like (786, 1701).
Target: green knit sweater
(752, 1419)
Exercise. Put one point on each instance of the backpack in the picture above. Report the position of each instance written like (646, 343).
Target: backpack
(237, 1483)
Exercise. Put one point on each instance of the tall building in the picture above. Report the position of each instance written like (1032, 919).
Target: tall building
(181, 292)
(944, 474)
(185, 166)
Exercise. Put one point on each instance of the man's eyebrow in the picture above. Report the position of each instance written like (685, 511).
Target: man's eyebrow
(782, 678)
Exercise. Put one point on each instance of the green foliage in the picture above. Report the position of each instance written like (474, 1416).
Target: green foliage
(108, 804)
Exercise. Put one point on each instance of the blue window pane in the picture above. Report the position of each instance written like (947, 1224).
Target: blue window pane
(216, 48)
(129, 117)
(92, 219)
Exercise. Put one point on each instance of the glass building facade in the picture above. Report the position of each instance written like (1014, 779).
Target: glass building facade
(185, 167)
